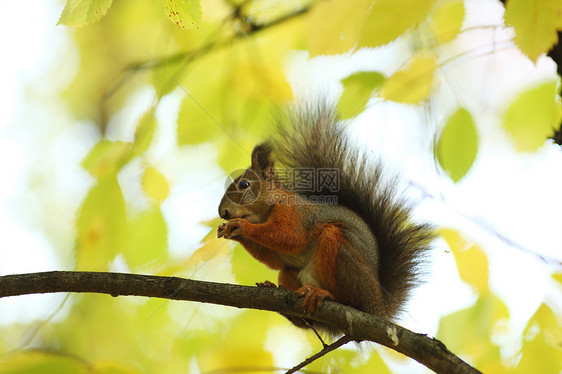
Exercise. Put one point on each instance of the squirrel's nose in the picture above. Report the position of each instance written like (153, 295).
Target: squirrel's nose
(225, 215)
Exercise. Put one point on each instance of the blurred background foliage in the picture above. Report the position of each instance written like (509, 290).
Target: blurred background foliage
(222, 65)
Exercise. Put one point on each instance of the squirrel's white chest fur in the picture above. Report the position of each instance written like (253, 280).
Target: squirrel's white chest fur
(306, 276)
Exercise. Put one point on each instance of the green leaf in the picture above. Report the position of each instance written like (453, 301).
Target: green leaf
(155, 185)
(357, 89)
(533, 116)
(536, 23)
(147, 239)
(458, 145)
(185, 14)
(79, 13)
(107, 158)
(145, 131)
(413, 83)
(388, 19)
(541, 338)
(101, 225)
(447, 19)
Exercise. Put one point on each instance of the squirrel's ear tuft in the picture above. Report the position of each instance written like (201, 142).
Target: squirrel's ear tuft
(261, 157)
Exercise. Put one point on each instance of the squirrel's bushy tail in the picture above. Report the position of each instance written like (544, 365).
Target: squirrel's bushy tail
(312, 137)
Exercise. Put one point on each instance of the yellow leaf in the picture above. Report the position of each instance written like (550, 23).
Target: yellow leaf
(243, 345)
(155, 185)
(334, 25)
(413, 83)
(248, 270)
(533, 116)
(541, 338)
(186, 14)
(536, 23)
(468, 332)
(80, 13)
(375, 364)
(212, 248)
(101, 225)
(340, 361)
(472, 263)
(145, 131)
(234, 154)
(107, 158)
(106, 367)
(195, 124)
(357, 89)
(388, 19)
(257, 70)
(447, 19)
(147, 239)
(41, 362)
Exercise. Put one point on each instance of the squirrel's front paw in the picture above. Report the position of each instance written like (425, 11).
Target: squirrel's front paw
(220, 230)
(230, 228)
(313, 297)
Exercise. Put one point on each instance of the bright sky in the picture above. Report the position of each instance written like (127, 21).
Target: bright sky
(507, 193)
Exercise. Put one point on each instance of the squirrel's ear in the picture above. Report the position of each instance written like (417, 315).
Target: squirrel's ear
(261, 157)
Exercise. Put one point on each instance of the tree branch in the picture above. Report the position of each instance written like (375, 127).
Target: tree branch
(357, 325)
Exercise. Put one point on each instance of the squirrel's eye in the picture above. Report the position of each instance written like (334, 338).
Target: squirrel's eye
(243, 184)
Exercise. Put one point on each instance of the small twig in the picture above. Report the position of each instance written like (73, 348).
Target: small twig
(327, 349)
(317, 334)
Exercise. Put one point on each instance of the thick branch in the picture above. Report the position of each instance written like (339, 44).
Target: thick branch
(358, 325)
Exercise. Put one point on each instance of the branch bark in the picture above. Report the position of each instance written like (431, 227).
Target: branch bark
(357, 325)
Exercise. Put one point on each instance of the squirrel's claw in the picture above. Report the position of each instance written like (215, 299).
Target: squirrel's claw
(266, 284)
(230, 228)
(220, 230)
(313, 297)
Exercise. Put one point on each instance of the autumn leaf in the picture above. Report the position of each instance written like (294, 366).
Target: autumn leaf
(357, 89)
(533, 116)
(79, 13)
(536, 23)
(107, 158)
(145, 131)
(413, 83)
(334, 26)
(471, 261)
(185, 14)
(101, 225)
(447, 19)
(388, 19)
(155, 185)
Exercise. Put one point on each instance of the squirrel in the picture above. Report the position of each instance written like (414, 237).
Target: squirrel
(353, 241)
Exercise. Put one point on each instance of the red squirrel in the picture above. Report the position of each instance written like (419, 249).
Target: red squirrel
(353, 241)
